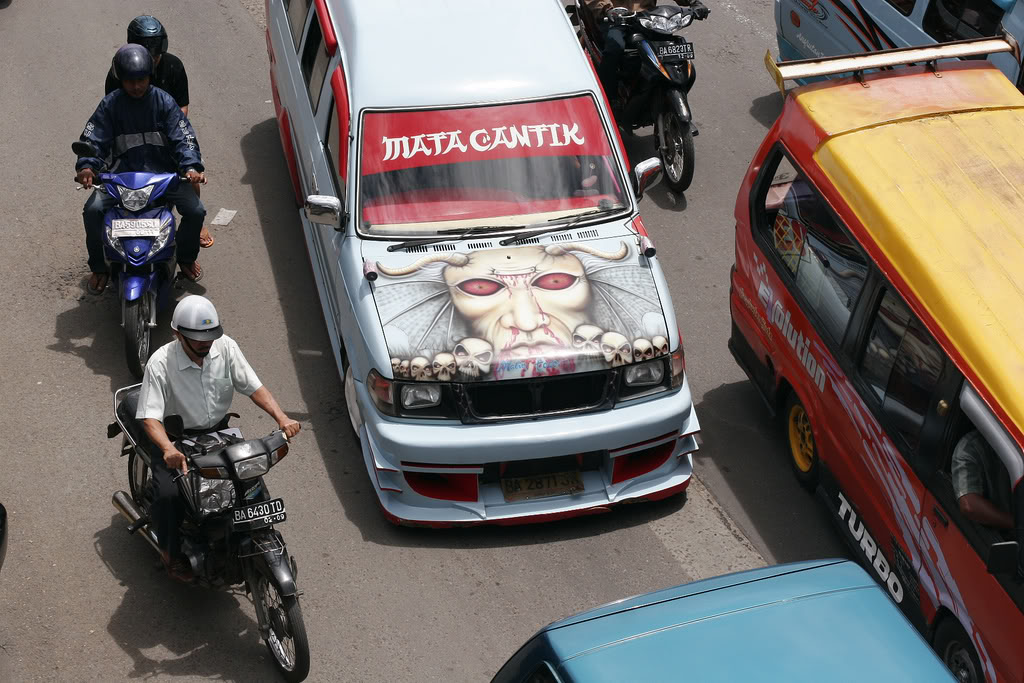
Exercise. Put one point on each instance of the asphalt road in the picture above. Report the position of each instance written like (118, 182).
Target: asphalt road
(80, 600)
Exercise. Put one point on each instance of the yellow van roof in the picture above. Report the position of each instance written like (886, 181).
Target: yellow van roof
(933, 168)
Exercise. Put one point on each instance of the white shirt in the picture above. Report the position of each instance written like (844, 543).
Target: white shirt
(174, 385)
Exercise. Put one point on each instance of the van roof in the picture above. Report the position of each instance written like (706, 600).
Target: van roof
(410, 53)
(933, 170)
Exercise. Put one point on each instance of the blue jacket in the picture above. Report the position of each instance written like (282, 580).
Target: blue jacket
(146, 134)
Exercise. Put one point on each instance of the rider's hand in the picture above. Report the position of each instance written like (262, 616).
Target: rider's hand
(290, 427)
(85, 177)
(700, 12)
(195, 177)
(175, 460)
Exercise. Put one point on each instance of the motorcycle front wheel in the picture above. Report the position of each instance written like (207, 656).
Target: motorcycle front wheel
(675, 147)
(136, 335)
(287, 638)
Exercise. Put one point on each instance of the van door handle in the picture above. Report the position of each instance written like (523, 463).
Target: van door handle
(939, 516)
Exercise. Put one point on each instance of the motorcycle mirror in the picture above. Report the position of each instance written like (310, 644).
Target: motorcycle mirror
(174, 426)
(646, 175)
(84, 149)
(687, 20)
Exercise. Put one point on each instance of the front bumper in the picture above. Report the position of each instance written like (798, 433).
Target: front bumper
(392, 448)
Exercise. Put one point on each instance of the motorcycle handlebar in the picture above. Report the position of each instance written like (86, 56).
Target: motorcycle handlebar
(181, 178)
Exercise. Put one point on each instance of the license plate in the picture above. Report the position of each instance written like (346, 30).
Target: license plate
(541, 486)
(671, 53)
(135, 227)
(260, 514)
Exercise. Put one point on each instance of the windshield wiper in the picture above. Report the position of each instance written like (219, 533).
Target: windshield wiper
(542, 228)
(454, 234)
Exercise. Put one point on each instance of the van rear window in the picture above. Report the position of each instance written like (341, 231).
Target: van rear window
(425, 171)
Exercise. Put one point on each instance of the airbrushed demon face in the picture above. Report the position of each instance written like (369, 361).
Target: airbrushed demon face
(523, 300)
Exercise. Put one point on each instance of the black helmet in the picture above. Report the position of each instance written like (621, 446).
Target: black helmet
(148, 32)
(132, 61)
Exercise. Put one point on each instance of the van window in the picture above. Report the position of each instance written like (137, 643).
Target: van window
(542, 674)
(314, 63)
(333, 145)
(298, 11)
(904, 7)
(901, 364)
(946, 20)
(826, 266)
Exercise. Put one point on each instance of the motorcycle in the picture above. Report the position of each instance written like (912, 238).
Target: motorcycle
(656, 75)
(228, 532)
(139, 249)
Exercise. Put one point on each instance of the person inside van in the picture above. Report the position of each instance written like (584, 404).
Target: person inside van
(981, 483)
(614, 37)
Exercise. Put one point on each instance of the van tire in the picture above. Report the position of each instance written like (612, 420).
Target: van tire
(348, 390)
(957, 652)
(800, 444)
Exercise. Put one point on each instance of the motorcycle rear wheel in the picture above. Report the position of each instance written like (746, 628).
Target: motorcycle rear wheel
(676, 150)
(136, 335)
(138, 478)
(287, 640)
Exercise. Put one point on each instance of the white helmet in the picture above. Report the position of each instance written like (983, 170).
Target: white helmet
(196, 318)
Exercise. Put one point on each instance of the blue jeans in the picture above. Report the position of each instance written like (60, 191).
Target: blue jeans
(184, 199)
(611, 60)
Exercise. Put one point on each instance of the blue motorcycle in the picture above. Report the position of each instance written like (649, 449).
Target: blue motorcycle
(139, 250)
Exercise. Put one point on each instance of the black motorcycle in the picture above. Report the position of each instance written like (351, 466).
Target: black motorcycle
(656, 75)
(228, 533)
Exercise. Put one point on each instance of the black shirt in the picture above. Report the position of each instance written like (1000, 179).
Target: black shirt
(169, 75)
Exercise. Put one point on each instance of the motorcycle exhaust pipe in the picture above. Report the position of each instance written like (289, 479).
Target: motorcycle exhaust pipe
(126, 506)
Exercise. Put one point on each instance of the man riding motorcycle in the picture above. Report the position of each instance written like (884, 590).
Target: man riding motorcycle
(142, 128)
(194, 376)
(615, 37)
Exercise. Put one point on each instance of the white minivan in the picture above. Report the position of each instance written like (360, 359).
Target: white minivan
(496, 309)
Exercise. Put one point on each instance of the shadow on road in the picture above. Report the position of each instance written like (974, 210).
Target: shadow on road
(321, 387)
(195, 632)
(745, 447)
(766, 109)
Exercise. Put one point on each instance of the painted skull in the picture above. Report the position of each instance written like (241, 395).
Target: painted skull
(420, 368)
(642, 350)
(396, 363)
(660, 345)
(444, 367)
(616, 349)
(474, 357)
(586, 339)
(403, 369)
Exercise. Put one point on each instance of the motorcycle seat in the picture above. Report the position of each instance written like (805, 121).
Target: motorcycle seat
(126, 416)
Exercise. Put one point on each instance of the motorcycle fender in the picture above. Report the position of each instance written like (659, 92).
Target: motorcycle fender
(281, 572)
(677, 102)
(134, 286)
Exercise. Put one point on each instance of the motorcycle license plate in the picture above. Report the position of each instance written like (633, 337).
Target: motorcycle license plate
(259, 515)
(671, 53)
(134, 227)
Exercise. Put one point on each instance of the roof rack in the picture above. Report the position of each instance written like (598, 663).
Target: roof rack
(857, 63)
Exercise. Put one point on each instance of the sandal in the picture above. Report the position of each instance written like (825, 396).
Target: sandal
(97, 283)
(191, 271)
(205, 238)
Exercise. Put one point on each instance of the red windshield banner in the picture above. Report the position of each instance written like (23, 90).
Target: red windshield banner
(397, 140)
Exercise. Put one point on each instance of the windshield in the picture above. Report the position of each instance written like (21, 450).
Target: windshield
(516, 164)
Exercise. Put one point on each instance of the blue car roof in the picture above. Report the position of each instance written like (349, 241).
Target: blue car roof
(808, 621)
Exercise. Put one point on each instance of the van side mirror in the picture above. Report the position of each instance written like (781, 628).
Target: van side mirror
(646, 175)
(174, 426)
(324, 210)
(1002, 558)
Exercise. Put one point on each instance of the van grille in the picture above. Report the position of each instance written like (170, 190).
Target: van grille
(516, 399)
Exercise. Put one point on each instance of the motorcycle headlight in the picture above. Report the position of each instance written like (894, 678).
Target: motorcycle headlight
(645, 374)
(415, 396)
(161, 240)
(252, 467)
(114, 242)
(135, 200)
(669, 25)
(215, 495)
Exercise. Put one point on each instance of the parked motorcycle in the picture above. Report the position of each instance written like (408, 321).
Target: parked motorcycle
(139, 249)
(228, 533)
(656, 75)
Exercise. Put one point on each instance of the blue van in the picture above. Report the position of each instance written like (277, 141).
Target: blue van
(807, 29)
(815, 621)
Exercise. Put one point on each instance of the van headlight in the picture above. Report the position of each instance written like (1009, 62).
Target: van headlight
(135, 200)
(418, 396)
(645, 374)
(250, 468)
